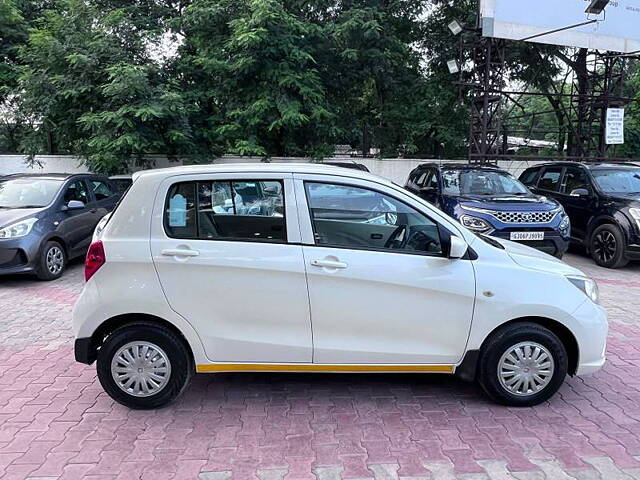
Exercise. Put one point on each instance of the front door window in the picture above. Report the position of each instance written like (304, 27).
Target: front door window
(357, 218)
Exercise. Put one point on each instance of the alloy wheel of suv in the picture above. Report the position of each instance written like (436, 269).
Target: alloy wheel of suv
(53, 261)
(607, 246)
(522, 364)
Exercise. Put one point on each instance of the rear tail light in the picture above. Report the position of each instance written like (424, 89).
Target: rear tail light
(95, 259)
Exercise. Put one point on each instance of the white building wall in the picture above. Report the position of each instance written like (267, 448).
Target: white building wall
(394, 169)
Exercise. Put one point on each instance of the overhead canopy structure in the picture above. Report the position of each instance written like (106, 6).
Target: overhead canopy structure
(565, 22)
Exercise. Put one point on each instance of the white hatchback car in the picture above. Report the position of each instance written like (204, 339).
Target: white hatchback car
(310, 268)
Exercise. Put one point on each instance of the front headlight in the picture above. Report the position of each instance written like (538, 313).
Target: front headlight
(474, 223)
(588, 287)
(635, 213)
(565, 224)
(19, 229)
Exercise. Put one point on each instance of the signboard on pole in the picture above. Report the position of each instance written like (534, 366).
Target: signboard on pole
(615, 126)
(616, 29)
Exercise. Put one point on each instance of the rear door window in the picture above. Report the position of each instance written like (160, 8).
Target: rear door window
(101, 190)
(550, 179)
(227, 210)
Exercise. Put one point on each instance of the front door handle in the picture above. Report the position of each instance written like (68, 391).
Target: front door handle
(180, 252)
(328, 264)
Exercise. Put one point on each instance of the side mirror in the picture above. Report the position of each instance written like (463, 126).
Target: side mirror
(580, 192)
(458, 248)
(74, 205)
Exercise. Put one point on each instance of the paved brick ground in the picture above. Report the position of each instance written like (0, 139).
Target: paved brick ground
(56, 422)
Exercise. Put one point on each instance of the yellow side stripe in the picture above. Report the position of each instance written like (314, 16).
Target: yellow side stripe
(292, 367)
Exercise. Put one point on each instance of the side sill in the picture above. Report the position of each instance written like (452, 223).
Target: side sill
(326, 368)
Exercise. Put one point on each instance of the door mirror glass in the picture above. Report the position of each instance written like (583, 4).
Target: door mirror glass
(458, 248)
(75, 205)
(580, 192)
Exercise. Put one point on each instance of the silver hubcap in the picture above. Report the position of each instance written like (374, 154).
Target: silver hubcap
(55, 260)
(141, 369)
(525, 369)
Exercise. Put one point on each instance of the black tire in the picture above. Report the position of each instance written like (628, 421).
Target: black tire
(51, 271)
(607, 246)
(175, 350)
(501, 342)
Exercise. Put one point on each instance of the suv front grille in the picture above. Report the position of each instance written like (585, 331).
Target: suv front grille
(525, 217)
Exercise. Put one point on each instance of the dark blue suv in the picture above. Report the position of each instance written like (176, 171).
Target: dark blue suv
(491, 201)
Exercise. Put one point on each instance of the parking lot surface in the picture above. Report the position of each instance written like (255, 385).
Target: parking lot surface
(56, 421)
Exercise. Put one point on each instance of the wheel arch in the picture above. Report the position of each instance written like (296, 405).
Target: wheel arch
(112, 324)
(565, 335)
(467, 370)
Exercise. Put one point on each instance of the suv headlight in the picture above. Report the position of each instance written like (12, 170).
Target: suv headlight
(19, 229)
(474, 223)
(565, 224)
(588, 286)
(635, 213)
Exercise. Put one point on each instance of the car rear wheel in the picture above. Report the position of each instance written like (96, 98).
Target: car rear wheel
(144, 366)
(607, 246)
(53, 261)
(522, 364)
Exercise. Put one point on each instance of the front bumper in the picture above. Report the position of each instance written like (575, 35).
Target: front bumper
(592, 337)
(19, 255)
(553, 244)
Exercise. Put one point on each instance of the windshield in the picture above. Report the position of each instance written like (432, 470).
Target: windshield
(621, 181)
(480, 182)
(28, 192)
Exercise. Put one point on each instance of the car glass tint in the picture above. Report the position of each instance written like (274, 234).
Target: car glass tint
(352, 217)
(529, 176)
(77, 191)
(574, 179)
(550, 179)
(28, 192)
(621, 181)
(180, 215)
(101, 190)
(481, 182)
(231, 210)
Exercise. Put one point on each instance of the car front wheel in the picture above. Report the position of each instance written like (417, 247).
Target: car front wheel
(144, 366)
(53, 261)
(522, 364)
(607, 246)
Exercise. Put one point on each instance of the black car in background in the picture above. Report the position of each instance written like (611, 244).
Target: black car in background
(121, 183)
(48, 219)
(602, 201)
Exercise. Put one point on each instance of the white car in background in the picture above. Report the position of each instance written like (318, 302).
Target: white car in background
(309, 268)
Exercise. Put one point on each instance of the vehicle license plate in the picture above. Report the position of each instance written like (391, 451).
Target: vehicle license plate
(524, 236)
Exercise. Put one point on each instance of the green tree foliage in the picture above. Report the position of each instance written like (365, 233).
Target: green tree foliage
(116, 80)
(88, 76)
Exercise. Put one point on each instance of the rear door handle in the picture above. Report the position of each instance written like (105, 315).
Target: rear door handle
(180, 252)
(328, 264)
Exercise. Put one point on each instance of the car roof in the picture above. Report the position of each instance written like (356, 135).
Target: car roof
(306, 168)
(588, 165)
(56, 176)
(460, 166)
